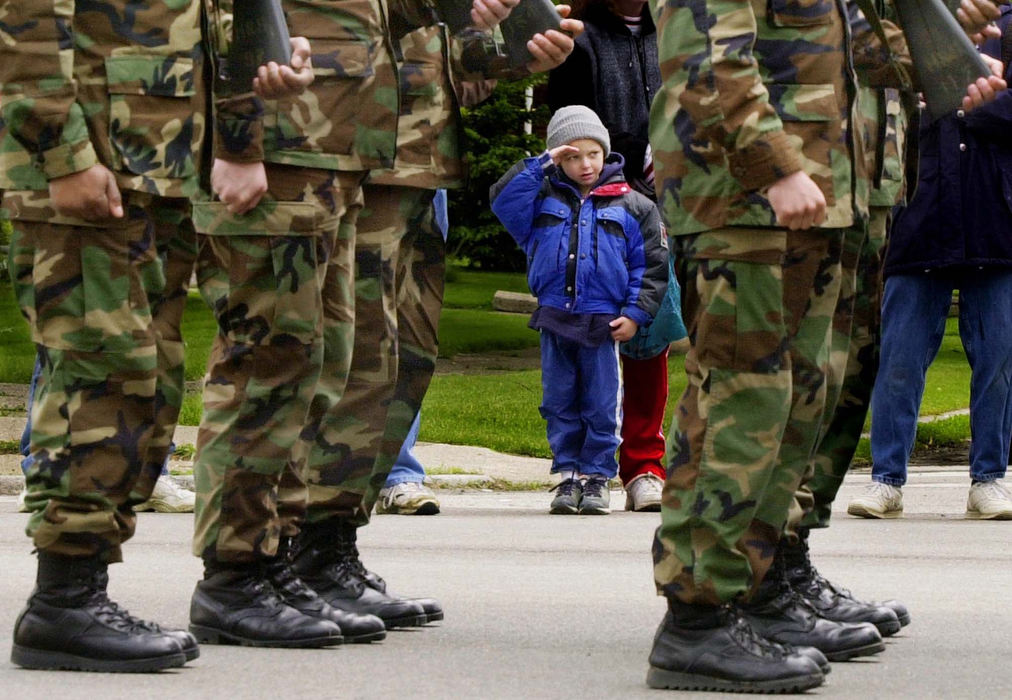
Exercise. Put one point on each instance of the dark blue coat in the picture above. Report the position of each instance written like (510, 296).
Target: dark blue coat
(960, 217)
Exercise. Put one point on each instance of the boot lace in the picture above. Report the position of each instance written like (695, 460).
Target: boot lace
(746, 636)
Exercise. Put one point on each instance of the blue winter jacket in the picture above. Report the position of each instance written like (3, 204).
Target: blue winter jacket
(606, 254)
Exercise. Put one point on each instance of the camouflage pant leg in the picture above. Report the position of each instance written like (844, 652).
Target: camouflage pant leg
(102, 303)
(837, 447)
(177, 247)
(421, 268)
(261, 274)
(342, 456)
(812, 281)
(728, 424)
(319, 438)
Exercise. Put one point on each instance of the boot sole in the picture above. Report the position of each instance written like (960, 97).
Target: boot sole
(60, 661)
(209, 635)
(365, 637)
(854, 652)
(405, 621)
(676, 680)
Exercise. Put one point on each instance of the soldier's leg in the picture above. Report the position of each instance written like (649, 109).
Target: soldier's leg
(177, 247)
(261, 275)
(88, 293)
(710, 547)
(727, 428)
(420, 275)
(343, 449)
(812, 278)
(851, 377)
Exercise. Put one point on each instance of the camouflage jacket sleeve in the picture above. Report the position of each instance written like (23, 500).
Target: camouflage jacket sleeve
(238, 114)
(724, 95)
(39, 94)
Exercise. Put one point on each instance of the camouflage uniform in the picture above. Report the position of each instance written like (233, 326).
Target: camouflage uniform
(751, 94)
(117, 84)
(856, 322)
(280, 277)
(400, 263)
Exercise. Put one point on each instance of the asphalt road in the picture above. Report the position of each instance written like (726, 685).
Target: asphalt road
(542, 606)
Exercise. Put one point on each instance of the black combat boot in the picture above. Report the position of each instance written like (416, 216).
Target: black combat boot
(292, 590)
(71, 624)
(236, 604)
(779, 613)
(829, 601)
(431, 606)
(326, 559)
(714, 648)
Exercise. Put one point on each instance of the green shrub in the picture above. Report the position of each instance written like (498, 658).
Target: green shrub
(494, 139)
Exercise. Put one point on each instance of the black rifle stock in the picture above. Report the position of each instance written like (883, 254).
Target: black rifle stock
(528, 18)
(944, 59)
(259, 35)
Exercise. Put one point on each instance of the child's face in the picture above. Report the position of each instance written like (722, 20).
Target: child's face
(584, 166)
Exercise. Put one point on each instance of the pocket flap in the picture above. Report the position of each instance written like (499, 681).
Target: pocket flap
(344, 59)
(804, 103)
(166, 76)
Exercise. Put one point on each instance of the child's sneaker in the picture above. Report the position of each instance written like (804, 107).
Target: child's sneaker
(596, 497)
(567, 500)
(644, 493)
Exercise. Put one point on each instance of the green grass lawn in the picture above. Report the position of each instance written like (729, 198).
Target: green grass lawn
(499, 410)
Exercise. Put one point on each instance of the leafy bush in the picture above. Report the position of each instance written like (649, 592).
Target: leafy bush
(494, 139)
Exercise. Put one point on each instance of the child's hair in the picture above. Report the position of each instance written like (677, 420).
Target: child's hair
(576, 122)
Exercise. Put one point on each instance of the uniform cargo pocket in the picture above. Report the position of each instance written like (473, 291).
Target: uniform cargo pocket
(153, 125)
(327, 116)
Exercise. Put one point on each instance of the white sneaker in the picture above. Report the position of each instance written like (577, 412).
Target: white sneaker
(989, 500)
(22, 508)
(407, 498)
(878, 501)
(644, 493)
(168, 498)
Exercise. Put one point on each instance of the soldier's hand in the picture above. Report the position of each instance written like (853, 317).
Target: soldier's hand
(797, 201)
(239, 185)
(976, 15)
(985, 90)
(90, 194)
(551, 49)
(274, 81)
(623, 328)
(485, 14)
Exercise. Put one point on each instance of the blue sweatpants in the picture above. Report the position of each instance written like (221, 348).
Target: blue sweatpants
(582, 403)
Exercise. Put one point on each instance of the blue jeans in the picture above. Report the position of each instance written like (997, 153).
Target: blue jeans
(407, 468)
(26, 436)
(914, 308)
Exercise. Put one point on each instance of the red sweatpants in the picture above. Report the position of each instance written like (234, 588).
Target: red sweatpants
(646, 393)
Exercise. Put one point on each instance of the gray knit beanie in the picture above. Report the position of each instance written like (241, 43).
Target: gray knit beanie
(576, 122)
